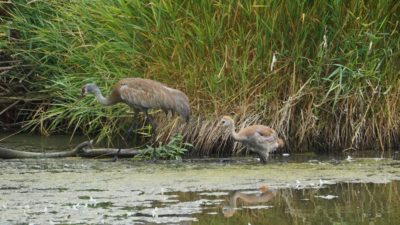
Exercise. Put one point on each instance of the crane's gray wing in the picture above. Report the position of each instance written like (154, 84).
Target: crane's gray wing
(180, 103)
(145, 95)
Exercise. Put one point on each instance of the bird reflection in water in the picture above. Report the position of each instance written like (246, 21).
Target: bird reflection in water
(265, 195)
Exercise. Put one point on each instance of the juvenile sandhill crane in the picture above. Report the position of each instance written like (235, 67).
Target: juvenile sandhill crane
(258, 138)
(141, 95)
(265, 196)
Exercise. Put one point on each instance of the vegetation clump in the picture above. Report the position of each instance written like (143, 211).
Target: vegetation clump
(173, 150)
(324, 74)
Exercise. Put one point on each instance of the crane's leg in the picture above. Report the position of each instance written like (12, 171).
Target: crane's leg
(153, 131)
(128, 134)
(263, 157)
(262, 154)
(134, 125)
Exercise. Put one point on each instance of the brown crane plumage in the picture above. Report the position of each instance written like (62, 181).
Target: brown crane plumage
(141, 95)
(265, 195)
(258, 138)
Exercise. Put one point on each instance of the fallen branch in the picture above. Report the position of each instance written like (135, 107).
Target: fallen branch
(83, 149)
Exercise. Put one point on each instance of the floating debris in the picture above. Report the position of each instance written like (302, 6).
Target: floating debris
(329, 197)
(258, 207)
(297, 183)
(349, 159)
(216, 193)
(322, 182)
(93, 201)
(154, 213)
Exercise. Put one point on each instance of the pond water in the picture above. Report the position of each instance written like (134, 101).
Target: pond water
(299, 189)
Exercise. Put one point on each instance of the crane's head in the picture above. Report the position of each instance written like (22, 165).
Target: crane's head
(228, 211)
(89, 89)
(226, 121)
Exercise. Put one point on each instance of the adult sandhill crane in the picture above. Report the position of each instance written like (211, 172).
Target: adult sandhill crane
(258, 138)
(141, 95)
(266, 195)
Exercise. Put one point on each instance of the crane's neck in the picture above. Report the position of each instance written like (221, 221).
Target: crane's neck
(234, 134)
(100, 98)
(231, 207)
(233, 199)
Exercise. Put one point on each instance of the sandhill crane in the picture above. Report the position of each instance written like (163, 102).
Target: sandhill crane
(266, 195)
(258, 138)
(141, 95)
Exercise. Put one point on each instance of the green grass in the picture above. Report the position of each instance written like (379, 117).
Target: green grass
(334, 84)
(173, 150)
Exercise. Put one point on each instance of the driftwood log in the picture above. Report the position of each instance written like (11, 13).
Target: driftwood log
(84, 149)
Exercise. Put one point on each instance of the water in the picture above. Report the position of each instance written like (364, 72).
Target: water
(342, 203)
(307, 189)
(37, 143)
